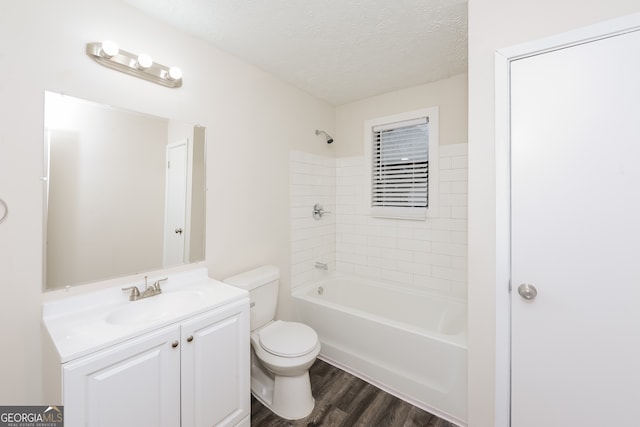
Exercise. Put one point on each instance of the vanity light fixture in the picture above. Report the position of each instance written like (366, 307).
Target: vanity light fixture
(110, 55)
(144, 61)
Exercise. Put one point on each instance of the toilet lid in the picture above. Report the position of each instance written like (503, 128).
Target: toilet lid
(288, 339)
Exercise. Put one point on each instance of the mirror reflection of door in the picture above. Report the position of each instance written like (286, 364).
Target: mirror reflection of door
(175, 208)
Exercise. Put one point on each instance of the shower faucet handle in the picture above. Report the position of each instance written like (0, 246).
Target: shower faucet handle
(318, 211)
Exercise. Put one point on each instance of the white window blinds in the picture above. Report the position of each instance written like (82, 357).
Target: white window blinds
(400, 169)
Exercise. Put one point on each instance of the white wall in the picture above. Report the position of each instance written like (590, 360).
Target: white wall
(496, 24)
(450, 95)
(252, 122)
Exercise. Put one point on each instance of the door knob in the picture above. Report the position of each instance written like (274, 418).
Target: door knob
(527, 291)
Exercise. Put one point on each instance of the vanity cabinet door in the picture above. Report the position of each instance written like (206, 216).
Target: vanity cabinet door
(136, 383)
(215, 367)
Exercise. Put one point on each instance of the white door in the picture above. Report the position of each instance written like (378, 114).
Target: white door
(176, 204)
(575, 165)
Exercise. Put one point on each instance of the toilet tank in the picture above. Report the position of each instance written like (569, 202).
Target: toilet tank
(262, 284)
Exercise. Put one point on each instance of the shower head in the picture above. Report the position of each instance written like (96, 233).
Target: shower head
(326, 135)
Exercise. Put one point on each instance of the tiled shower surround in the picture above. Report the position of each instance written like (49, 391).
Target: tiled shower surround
(428, 255)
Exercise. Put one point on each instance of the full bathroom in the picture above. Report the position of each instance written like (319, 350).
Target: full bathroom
(380, 292)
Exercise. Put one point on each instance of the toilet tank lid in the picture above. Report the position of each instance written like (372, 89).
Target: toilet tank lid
(253, 278)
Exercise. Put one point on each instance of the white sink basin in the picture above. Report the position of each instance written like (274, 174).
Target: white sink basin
(156, 307)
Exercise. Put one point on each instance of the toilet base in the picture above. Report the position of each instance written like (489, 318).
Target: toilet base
(292, 397)
(287, 397)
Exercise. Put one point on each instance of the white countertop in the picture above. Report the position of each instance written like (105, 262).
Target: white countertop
(79, 325)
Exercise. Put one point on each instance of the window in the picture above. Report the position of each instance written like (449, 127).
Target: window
(403, 157)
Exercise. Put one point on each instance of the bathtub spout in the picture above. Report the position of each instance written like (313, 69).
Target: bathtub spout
(322, 266)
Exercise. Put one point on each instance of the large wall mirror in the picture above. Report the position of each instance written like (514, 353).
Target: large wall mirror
(124, 192)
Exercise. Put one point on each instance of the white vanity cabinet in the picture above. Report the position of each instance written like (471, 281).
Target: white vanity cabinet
(192, 371)
(136, 383)
(215, 368)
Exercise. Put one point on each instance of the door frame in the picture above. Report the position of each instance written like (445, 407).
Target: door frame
(503, 59)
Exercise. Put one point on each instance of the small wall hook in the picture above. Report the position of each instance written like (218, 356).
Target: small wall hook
(5, 214)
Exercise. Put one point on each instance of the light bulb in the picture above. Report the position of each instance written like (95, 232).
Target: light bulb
(144, 61)
(109, 48)
(175, 73)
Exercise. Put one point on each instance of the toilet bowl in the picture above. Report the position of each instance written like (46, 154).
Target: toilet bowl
(286, 361)
(281, 352)
(286, 348)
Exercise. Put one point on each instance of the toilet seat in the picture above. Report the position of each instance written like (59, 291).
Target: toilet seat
(288, 339)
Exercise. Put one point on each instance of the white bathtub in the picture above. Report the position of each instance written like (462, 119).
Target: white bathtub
(411, 344)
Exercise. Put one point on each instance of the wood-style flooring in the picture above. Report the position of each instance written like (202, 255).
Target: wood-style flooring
(343, 400)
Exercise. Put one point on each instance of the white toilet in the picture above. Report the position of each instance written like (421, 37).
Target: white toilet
(282, 352)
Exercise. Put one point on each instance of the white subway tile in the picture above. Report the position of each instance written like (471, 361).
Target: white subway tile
(367, 271)
(440, 235)
(459, 187)
(449, 274)
(410, 244)
(300, 256)
(398, 254)
(459, 237)
(422, 234)
(449, 249)
(459, 289)
(445, 163)
(459, 212)
(453, 175)
(347, 248)
(323, 254)
(344, 267)
(432, 284)
(383, 242)
(453, 199)
(367, 250)
(450, 150)
(459, 263)
(449, 224)
(383, 263)
(353, 258)
(415, 268)
(445, 188)
(444, 212)
(371, 230)
(350, 161)
(433, 259)
(397, 276)
(459, 162)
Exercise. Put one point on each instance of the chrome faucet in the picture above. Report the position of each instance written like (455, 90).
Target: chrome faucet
(149, 290)
(321, 265)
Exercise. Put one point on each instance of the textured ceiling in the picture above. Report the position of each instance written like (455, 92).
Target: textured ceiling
(336, 50)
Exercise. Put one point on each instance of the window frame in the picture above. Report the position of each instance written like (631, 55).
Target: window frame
(412, 213)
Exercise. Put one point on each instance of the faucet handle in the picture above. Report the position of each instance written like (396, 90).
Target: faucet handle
(135, 292)
(156, 285)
